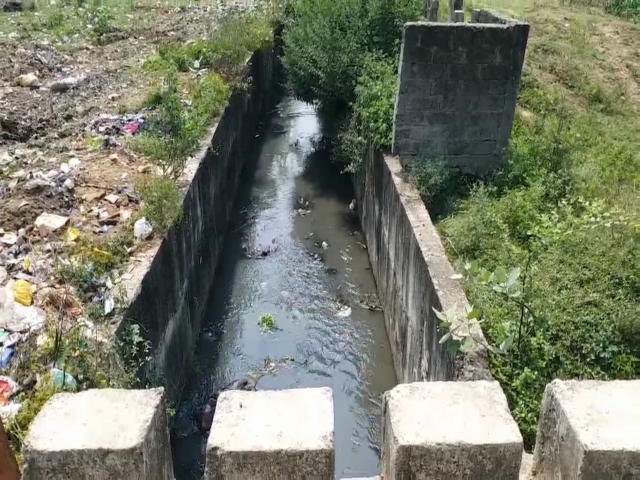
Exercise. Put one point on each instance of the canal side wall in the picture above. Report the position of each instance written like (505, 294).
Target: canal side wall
(413, 275)
(170, 285)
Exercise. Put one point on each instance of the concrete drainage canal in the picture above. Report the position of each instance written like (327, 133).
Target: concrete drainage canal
(293, 303)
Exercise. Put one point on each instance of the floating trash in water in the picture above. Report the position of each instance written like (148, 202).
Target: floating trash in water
(344, 312)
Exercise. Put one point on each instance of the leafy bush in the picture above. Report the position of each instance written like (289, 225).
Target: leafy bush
(326, 45)
(624, 8)
(186, 104)
(372, 111)
(323, 51)
(577, 249)
(162, 201)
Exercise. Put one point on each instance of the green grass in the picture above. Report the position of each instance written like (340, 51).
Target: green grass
(565, 210)
(197, 80)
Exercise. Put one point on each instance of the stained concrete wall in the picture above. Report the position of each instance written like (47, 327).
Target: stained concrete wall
(457, 90)
(413, 274)
(169, 291)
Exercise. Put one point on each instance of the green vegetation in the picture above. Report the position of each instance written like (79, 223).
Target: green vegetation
(564, 212)
(267, 323)
(197, 81)
(341, 55)
(162, 201)
(549, 245)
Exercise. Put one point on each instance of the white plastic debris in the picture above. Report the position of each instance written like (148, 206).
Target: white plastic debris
(74, 163)
(344, 312)
(15, 317)
(49, 222)
(142, 229)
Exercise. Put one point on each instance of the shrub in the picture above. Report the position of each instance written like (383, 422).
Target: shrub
(577, 250)
(327, 42)
(624, 8)
(372, 111)
(162, 201)
(323, 51)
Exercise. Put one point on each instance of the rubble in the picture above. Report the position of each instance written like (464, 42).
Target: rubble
(48, 223)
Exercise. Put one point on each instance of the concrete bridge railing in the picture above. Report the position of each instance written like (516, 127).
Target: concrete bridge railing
(438, 430)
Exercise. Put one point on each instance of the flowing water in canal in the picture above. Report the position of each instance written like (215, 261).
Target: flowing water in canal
(316, 342)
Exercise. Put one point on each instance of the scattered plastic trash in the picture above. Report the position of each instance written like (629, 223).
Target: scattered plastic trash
(7, 412)
(131, 124)
(142, 229)
(8, 387)
(6, 354)
(344, 312)
(22, 292)
(258, 252)
(62, 379)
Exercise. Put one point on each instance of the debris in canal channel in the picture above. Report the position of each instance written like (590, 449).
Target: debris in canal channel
(259, 252)
(267, 323)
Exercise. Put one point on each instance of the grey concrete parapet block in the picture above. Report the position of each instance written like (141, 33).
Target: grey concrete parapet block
(589, 430)
(100, 435)
(443, 430)
(272, 434)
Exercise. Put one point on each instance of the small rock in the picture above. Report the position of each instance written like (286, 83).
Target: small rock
(114, 199)
(325, 245)
(144, 168)
(68, 184)
(36, 184)
(114, 157)
(93, 196)
(12, 6)
(65, 84)
(74, 163)
(142, 229)
(51, 174)
(18, 174)
(114, 96)
(49, 222)
(5, 158)
(29, 80)
(352, 205)
(9, 239)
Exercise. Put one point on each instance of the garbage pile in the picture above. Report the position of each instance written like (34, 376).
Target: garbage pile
(112, 126)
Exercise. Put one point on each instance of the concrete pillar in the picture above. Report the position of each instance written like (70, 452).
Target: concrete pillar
(458, 16)
(100, 434)
(589, 430)
(272, 434)
(449, 430)
(457, 91)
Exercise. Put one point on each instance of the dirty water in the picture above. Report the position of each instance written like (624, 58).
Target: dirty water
(318, 287)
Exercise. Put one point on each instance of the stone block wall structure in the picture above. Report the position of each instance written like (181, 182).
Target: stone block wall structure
(440, 430)
(272, 434)
(457, 90)
(100, 435)
(589, 430)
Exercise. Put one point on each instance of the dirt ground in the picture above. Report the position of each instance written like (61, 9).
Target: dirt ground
(40, 129)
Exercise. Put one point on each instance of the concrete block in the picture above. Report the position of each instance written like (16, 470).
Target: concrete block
(100, 435)
(272, 434)
(438, 430)
(589, 430)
